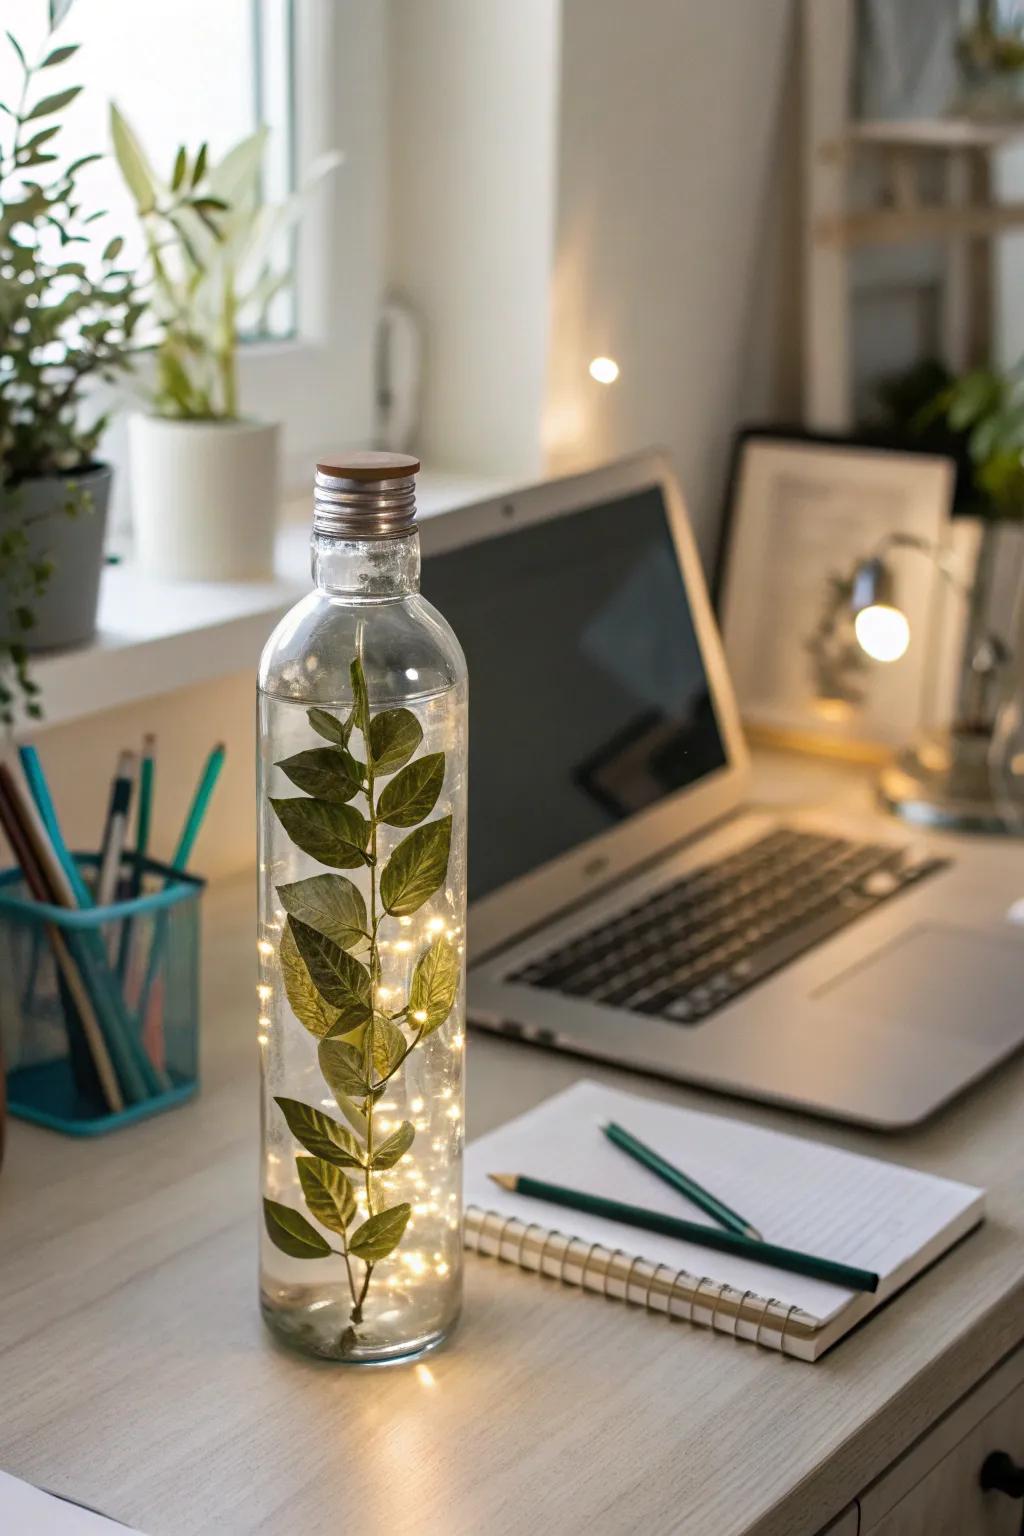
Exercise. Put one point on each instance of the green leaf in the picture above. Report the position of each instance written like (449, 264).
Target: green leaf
(340, 980)
(306, 1003)
(132, 162)
(292, 1233)
(47, 105)
(200, 166)
(396, 1146)
(394, 736)
(329, 903)
(329, 726)
(417, 868)
(327, 1192)
(333, 834)
(412, 794)
(388, 1044)
(18, 50)
(58, 55)
(113, 248)
(180, 167)
(328, 773)
(360, 700)
(380, 1234)
(58, 10)
(321, 1135)
(435, 981)
(343, 1068)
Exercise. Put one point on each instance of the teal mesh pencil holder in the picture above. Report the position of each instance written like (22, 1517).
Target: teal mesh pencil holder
(99, 1006)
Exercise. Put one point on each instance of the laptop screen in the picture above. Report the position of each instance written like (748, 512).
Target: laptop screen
(588, 698)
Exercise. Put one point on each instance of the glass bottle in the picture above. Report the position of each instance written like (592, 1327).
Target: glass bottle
(362, 897)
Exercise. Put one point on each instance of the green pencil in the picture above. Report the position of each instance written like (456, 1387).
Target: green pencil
(145, 812)
(197, 810)
(845, 1275)
(628, 1143)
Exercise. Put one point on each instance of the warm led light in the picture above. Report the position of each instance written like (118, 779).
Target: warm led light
(605, 370)
(405, 922)
(402, 946)
(262, 1039)
(435, 925)
(264, 993)
(265, 948)
(416, 1106)
(383, 993)
(420, 1015)
(456, 1042)
(882, 632)
(454, 1112)
(263, 1021)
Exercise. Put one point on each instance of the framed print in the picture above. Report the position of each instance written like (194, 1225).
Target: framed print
(803, 513)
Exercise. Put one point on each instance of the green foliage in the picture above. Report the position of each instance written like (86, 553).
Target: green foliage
(209, 238)
(63, 324)
(292, 1233)
(976, 418)
(331, 989)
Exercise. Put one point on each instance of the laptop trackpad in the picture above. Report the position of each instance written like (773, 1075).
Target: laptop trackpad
(938, 979)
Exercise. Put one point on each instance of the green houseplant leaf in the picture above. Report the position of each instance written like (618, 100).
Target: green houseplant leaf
(412, 793)
(327, 1192)
(344, 1068)
(340, 980)
(360, 702)
(435, 981)
(395, 735)
(417, 868)
(396, 1146)
(320, 1135)
(312, 1012)
(329, 726)
(327, 773)
(329, 903)
(292, 1233)
(132, 162)
(378, 1235)
(333, 834)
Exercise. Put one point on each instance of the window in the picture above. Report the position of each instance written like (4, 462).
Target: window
(182, 71)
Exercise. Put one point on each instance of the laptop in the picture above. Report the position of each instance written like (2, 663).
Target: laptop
(627, 902)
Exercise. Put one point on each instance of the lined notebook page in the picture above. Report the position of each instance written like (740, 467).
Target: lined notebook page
(799, 1193)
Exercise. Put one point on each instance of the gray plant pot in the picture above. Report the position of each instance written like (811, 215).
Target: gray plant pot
(66, 613)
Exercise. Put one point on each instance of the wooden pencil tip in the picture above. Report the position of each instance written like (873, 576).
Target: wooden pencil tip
(506, 1180)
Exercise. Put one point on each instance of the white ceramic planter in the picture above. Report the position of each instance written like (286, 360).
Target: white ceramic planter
(204, 497)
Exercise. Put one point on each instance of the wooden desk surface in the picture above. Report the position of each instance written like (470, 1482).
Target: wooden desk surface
(135, 1373)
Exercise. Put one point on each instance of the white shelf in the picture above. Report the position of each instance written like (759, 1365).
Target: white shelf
(156, 636)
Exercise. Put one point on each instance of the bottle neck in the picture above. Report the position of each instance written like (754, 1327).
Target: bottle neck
(372, 569)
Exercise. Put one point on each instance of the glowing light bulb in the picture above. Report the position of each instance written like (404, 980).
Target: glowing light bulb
(420, 1015)
(435, 925)
(604, 370)
(264, 947)
(264, 993)
(402, 946)
(416, 1106)
(882, 632)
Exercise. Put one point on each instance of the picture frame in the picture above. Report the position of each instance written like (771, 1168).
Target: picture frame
(802, 509)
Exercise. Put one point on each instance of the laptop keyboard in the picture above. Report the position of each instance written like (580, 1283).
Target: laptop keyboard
(693, 946)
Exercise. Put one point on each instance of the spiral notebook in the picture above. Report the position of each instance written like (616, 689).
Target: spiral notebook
(800, 1194)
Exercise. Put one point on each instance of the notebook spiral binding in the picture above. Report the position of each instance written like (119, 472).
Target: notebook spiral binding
(700, 1300)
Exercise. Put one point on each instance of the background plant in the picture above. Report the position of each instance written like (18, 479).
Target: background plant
(330, 960)
(64, 323)
(209, 240)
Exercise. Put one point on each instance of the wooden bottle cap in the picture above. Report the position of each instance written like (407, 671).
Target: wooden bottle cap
(368, 465)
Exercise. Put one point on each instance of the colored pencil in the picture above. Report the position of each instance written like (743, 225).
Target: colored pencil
(36, 780)
(789, 1259)
(137, 1078)
(115, 831)
(145, 813)
(67, 967)
(197, 810)
(658, 1165)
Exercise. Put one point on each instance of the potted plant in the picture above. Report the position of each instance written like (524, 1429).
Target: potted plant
(67, 318)
(990, 55)
(204, 476)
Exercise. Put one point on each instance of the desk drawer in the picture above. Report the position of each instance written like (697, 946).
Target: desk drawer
(934, 1490)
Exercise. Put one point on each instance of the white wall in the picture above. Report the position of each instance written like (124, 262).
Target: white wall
(471, 166)
(676, 232)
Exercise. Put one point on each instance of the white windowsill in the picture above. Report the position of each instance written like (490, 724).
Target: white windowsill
(155, 636)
